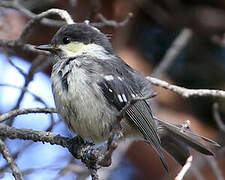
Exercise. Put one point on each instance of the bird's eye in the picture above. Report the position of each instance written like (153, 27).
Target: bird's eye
(66, 40)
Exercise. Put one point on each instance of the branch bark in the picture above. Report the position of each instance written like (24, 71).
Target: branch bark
(17, 112)
(93, 158)
(45, 21)
(186, 92)
(8, 157)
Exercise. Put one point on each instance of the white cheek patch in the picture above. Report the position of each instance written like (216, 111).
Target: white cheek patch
(110, 90)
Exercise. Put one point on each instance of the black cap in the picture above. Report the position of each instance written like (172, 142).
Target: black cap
(81, 32)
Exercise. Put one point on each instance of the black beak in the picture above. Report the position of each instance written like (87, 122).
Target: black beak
(47, 47)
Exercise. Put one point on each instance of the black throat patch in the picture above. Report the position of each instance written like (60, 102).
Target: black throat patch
(64, 80)
(64, 76)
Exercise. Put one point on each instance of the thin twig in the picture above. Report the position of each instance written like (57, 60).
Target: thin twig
(16, 154)
(179, 43)
(38, 60)
(17, 112)
(27, 30)
(112, 23)
(117, 159)
(185, 168)
(8, 157)
(36, 97)
(16, 45)
(29, 14)
(186, 92)
(15, 66)
(196, 172)
(62, 13)
(217, 117)
(215, 167)
(79, 170)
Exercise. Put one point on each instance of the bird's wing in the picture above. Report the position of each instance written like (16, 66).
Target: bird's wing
(118, 91)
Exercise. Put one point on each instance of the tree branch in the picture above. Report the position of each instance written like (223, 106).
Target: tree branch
(28, 134)
(112, 23)
(17, 112)
(184, 169)
(214, 165)
(24, 89)
(19, 43)
(93, 158)
(62, 13)
(8, 157)
(15, 155)
(101, 156)
(29, 14)
(16, 45)
(35, 67)
(217, 117)
(186, 92)
(179, 43)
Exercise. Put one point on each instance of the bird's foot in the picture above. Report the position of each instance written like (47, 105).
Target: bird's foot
(77, 144)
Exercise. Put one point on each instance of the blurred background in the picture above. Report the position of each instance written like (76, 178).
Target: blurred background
(143, 42)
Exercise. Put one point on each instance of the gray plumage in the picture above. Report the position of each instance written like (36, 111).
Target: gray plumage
(91, 85)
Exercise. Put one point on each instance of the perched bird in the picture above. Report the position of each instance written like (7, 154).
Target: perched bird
(92, 87)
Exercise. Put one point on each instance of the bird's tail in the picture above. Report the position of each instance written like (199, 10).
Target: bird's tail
(176, 139)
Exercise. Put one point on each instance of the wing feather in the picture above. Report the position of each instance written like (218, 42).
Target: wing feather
(146, 125)
(114, 88)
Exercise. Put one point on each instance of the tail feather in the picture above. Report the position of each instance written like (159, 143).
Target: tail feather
(161, 156)
(175, 148)
(175, 141)
(191, 142)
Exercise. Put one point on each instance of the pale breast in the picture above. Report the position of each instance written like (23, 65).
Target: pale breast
(79, 105)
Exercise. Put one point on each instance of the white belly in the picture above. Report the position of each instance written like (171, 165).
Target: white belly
(82, 110)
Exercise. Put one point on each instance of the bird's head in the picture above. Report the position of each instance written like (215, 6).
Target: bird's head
(76, 39)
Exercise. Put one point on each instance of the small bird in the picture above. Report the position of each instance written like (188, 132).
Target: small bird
(97, 93)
